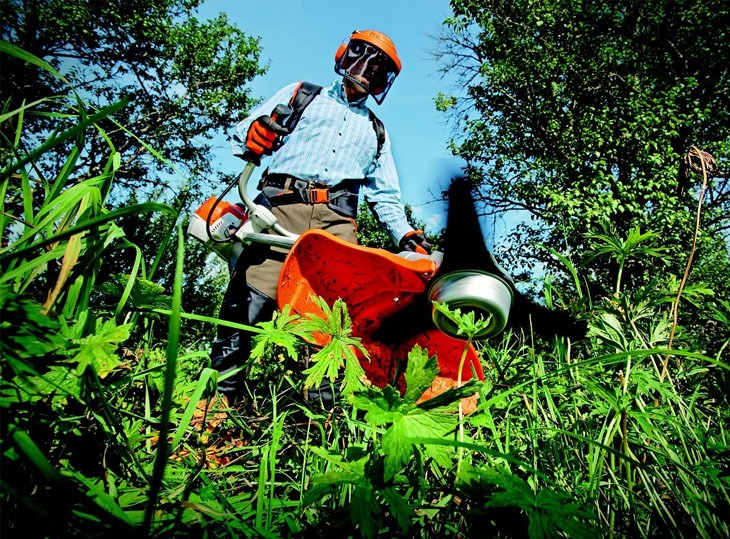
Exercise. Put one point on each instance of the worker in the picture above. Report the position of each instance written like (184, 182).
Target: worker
(337, 151)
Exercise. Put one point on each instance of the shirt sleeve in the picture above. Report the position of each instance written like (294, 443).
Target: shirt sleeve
(238, 136)
(382, 191)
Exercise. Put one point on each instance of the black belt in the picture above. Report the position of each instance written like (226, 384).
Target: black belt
(282, 189)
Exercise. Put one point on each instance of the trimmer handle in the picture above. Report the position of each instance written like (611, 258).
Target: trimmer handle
(277, 123)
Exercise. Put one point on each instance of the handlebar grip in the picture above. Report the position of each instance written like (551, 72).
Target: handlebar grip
(278, 118)
(275, 122)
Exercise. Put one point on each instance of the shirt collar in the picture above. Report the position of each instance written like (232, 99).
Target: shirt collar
(337, 90)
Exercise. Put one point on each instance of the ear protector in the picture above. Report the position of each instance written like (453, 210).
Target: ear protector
(340, 51)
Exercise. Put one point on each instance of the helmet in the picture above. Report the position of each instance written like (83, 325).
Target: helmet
(369, 60)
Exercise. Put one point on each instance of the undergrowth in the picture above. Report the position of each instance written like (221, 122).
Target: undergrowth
(102, 431)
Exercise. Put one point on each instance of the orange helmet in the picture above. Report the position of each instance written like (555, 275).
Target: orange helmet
(369, 59)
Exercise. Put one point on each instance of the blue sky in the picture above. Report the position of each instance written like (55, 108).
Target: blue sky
(299, 40)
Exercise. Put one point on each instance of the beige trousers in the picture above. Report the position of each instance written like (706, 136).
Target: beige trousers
(263, 271)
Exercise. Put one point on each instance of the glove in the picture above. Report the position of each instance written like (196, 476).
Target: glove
(261, 137)
(416, 242)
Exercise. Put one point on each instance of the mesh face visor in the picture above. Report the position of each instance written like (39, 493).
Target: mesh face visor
(368, 67)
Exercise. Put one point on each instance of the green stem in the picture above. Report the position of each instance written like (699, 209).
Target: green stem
(619, 276)
(173, 347)
(462, 361)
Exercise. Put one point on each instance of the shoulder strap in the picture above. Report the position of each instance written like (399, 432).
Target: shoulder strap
(379, 132)
(300, 100)
(303, 95)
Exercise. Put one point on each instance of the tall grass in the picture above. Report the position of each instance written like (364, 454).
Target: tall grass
(102, 433)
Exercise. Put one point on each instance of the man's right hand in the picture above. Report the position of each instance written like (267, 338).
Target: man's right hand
(261, 136)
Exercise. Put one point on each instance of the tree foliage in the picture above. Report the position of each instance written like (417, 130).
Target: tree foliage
(581, 113)
(372, 233)
(187, 80)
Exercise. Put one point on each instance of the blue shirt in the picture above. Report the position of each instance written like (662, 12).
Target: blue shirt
(333, 141)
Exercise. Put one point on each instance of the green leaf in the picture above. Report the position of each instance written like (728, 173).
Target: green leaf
(399, 507)
(349, 472)
(421, 371)
(407, 421)
(282, 331)
(363, 508)
(59, 382)
(382, 405)
(144, 294)
(106, 502)
(339, 352)
(99, 349)
(27, 333)
(467, 323)
(548, 511)
(396, 447)
(417, 423)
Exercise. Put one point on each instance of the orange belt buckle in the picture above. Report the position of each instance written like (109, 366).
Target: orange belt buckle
(317, 196)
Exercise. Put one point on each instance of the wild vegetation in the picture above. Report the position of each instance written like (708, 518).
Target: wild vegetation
(623, 433)
(582, 114)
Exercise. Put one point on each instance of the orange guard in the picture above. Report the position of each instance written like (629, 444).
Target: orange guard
(374, 284)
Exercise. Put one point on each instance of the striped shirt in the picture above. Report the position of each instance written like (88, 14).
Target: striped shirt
(333, 141)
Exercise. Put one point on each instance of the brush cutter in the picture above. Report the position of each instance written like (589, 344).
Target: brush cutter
(389, 296)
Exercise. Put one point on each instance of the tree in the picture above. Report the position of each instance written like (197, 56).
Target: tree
(371, 233)
(187, 81)
(581, 114)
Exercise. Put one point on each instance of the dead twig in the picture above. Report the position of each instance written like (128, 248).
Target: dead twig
(708, 167)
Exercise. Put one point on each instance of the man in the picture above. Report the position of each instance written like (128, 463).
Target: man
(336, 151)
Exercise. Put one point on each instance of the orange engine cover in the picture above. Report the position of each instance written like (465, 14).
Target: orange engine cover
(375, 285)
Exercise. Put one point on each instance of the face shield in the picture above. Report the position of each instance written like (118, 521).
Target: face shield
(368, 67)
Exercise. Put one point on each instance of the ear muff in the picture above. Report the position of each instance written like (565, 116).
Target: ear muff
(340, 51)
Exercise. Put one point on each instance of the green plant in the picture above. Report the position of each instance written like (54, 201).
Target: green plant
(623, 250)
(376, 478)
(106, 428)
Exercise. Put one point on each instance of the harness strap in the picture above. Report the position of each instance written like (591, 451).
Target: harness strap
(304, 94)
(281, 189)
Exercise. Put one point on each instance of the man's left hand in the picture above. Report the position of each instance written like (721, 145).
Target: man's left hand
(416, 242)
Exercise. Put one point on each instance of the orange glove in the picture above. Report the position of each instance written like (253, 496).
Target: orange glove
(261, 136)
(415, 241)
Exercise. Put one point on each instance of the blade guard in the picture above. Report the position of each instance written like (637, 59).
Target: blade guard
(374, 284)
